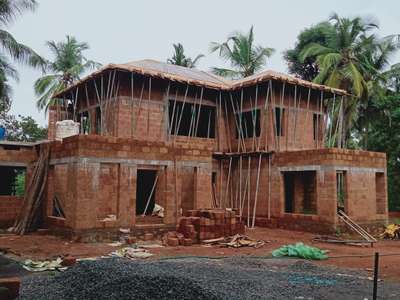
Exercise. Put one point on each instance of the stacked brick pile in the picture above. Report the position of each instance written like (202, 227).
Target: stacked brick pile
(204, 224)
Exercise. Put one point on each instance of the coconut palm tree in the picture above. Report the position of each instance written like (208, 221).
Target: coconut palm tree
(352, 58)
(244, 56)
(10, 49)
(67, 67)
(180, 59)
(340, 60)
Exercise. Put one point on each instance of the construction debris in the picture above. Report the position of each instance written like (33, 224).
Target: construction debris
(236, 241)
(205, 224)
(392, 232)
(34, 194)
(41, 266)
(301, 251)
(158, 211)
(239, 240)
(335, 240)
(131, 253)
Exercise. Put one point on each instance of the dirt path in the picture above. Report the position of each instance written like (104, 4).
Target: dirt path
(46, 246)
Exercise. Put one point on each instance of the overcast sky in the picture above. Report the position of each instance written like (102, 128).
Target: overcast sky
(120, 31)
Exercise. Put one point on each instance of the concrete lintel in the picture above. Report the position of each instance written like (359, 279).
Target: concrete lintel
(13, 164)
(133, 162)
(331, 168)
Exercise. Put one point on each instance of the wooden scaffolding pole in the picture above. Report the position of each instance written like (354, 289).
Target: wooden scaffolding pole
(256, 195)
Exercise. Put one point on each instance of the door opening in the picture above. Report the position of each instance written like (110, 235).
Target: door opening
(145, 191)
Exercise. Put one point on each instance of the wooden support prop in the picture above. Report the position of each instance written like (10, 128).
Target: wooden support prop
(256, 195)
(227, 127)
(269, 186)
(281, 118)
(171, 122)
(139, 106)
(307, 114)
(220, 183)
(340, 137)
(218, 125)
(34, 194)
(151, 194)
(265, 123)
(238, 126)
(148, 108)
(240, 185)
(227, 182)
(249, 192)
(296, 108)
(193, 116)
(274, 121)
(254, 118)
(331, 118)
(183, 107)
(132, 107)
(240, 119)
(165, 115)
(100, 103)
(198, 116)
(208, 127)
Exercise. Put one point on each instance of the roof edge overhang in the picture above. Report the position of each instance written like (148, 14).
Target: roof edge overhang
(223, 86)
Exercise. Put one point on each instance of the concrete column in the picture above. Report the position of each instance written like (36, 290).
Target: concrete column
(202, 188)
(326, 195)
(87, 186)
(127, 195)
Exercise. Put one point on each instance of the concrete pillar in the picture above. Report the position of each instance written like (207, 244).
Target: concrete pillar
(326, 195)
(202, 187)
(127, 195)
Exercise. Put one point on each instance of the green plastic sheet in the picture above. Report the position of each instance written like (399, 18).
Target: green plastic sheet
(300, 250)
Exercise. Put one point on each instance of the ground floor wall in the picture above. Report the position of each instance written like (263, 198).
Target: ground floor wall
(98, 190)
(10, 206)
(304, 189)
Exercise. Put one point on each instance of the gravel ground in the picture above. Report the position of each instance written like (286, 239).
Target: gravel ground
(195, 278)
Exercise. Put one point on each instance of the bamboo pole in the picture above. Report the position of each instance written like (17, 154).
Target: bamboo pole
(274, 120)
(239, 129)
(281, 115)
(248, 191)
(269, 186)
(307, 112)
(165, 115)
(332, 120)
(183, 107)
(228, 181)
(148, 107)
(132, 107)
(254, 115)
(256, 195)
(149, 198)
(227, 127)
(171, 121)
(198, 116)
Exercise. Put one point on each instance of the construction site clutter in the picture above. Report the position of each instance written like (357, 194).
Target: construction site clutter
(205, 224)
(392, 232)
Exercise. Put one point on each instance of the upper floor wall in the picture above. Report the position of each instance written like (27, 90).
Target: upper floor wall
(268, 116)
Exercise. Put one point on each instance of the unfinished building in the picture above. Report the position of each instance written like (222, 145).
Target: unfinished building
(154, 135)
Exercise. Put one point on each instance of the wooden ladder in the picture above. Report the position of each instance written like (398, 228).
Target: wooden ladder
(357, 228)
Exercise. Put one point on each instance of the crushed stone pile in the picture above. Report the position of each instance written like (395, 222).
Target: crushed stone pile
(196, 278)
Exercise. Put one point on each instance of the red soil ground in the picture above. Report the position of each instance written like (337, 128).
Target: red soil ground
(46, 246)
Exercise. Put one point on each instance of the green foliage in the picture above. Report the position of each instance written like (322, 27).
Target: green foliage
(20, 184)
(11, 49)
(383, 136)
(244, 56)
(68, 65)
(23, 128)
(180, 59)
(307, 69)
